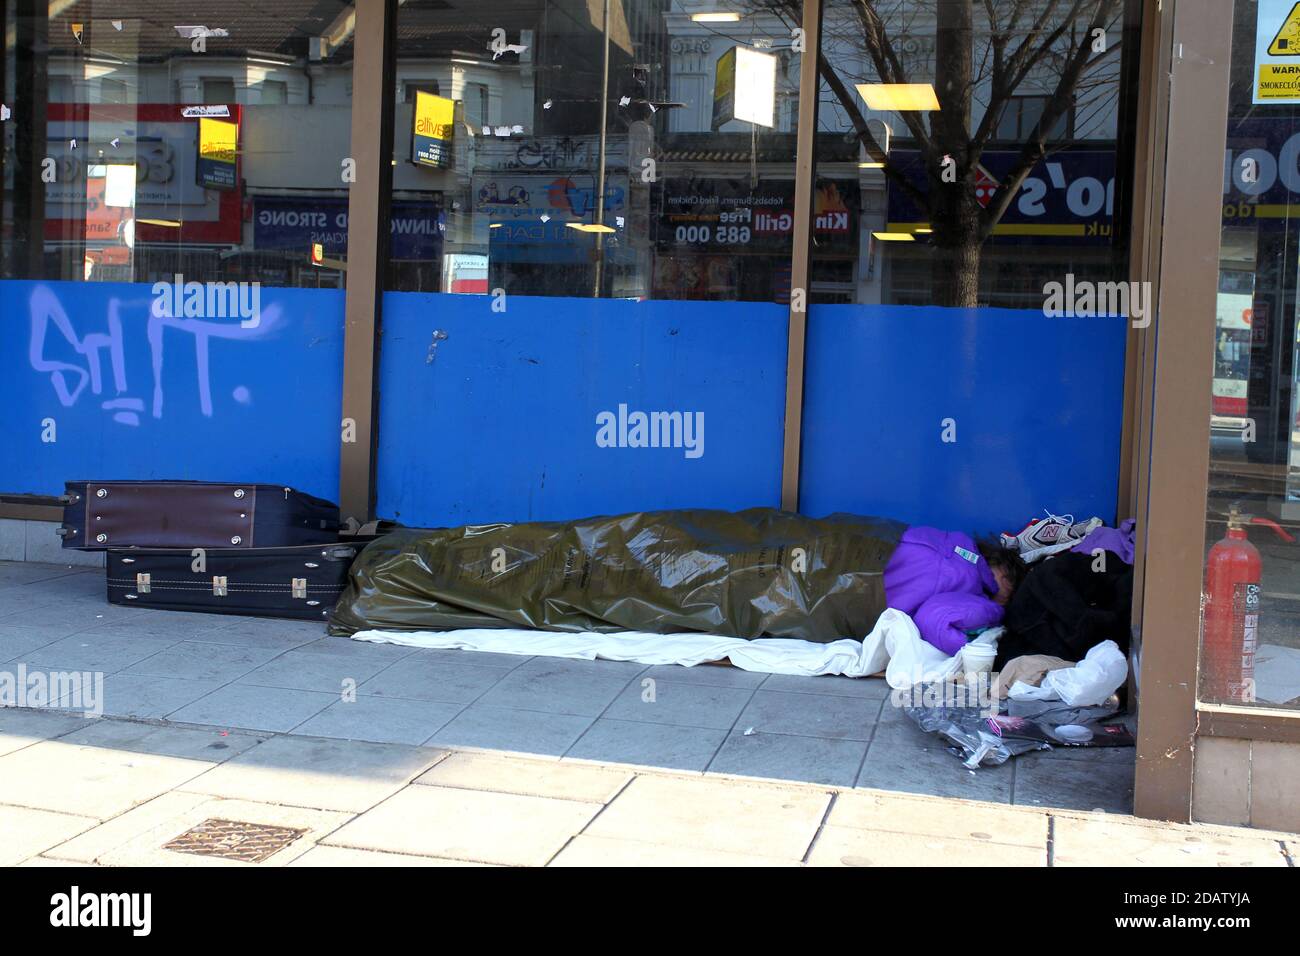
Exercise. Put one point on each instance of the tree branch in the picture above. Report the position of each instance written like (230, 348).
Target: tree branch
(1034, 147)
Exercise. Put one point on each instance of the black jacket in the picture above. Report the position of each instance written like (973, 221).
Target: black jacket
(1064, 608)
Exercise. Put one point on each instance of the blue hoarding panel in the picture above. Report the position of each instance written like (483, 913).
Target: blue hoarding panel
(535, 413)
(125, 391)
(1033, 405)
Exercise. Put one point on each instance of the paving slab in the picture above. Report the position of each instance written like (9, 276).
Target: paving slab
(146, 848)
(315, 670)
(317, 773)
(440, 679)
(686, 812)
(381, 719)
(683, 705)
(21, 727)
(1103, 841)
(145, 696)
(903, 757)
(365, 650)
(250, 707)
(870, 688)
(850, 846)
(207, 744)
(89, 781)
(49, 861)
(518, 731)
(338, 856)
(196, 660)
(94, 650)
(719, 675)
(26, 832)
(75, 613)
(602, 851)
(454, 655)
(87, 847)
(263, 632)
(810, 715)
(173, 625)
(810, 759)
(557, 687)
(17, 640)
(647, 745)
(538, 778)
(473, 825)
(1094, 779)
(957, 819)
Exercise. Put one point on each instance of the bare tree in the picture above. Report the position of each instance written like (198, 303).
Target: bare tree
(985, 53)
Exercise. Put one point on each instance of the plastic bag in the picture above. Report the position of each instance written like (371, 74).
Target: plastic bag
(979, 739)
(987, 741)
(755, 573)
(1088, 683)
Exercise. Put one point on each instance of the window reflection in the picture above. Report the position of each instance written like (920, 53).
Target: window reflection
(981, 142)
(150, 140)
(1250, 650)
(686, 190)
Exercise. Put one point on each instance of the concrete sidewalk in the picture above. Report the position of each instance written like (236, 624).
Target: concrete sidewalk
(82, 791)
(242, 741)
(286, 677)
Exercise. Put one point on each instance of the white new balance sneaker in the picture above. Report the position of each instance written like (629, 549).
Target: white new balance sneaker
(1044, 536)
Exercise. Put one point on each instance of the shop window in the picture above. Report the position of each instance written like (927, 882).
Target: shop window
(1250, 633)
(273, 92)
(146, 185)
(930, 212)
(113, 91)
(411, 87)
(1020, 117)
(218, 89)
(685, 192)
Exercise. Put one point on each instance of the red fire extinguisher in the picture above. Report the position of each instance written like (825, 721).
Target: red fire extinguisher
(1231, 629)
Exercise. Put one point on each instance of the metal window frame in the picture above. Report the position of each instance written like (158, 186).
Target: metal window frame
(805, 171)
(374, 91)
(1174, 438)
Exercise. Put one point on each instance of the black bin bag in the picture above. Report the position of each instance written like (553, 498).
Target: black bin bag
(755, 573)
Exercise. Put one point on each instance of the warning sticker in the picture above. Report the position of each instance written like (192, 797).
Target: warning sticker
(1286, 42)
(1277, 52)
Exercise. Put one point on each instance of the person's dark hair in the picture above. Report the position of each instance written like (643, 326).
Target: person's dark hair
(999, 557)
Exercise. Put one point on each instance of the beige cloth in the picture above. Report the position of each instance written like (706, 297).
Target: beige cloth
(1030, 668)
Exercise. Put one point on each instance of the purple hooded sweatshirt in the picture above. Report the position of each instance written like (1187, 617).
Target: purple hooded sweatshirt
(944, 619)
(932, 567)
(928, 561)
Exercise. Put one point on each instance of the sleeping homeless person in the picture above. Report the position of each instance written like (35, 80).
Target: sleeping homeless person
(750, 574)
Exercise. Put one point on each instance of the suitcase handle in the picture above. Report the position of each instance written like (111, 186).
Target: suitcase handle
(340, 554)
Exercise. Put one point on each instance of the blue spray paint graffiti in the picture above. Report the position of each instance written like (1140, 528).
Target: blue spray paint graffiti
(137, 394)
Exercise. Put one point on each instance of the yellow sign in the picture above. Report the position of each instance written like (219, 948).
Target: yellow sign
(1286, 42)
(435, 118)
(1278, 81)
(218, 147)
(218, 140)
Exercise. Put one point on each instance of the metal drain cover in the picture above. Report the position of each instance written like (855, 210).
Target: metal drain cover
(234, 840)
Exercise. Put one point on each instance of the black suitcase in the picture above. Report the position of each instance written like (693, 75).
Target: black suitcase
(302, 582)
(98, 515)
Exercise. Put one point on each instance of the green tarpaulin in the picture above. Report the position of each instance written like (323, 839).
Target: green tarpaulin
(755, 573)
